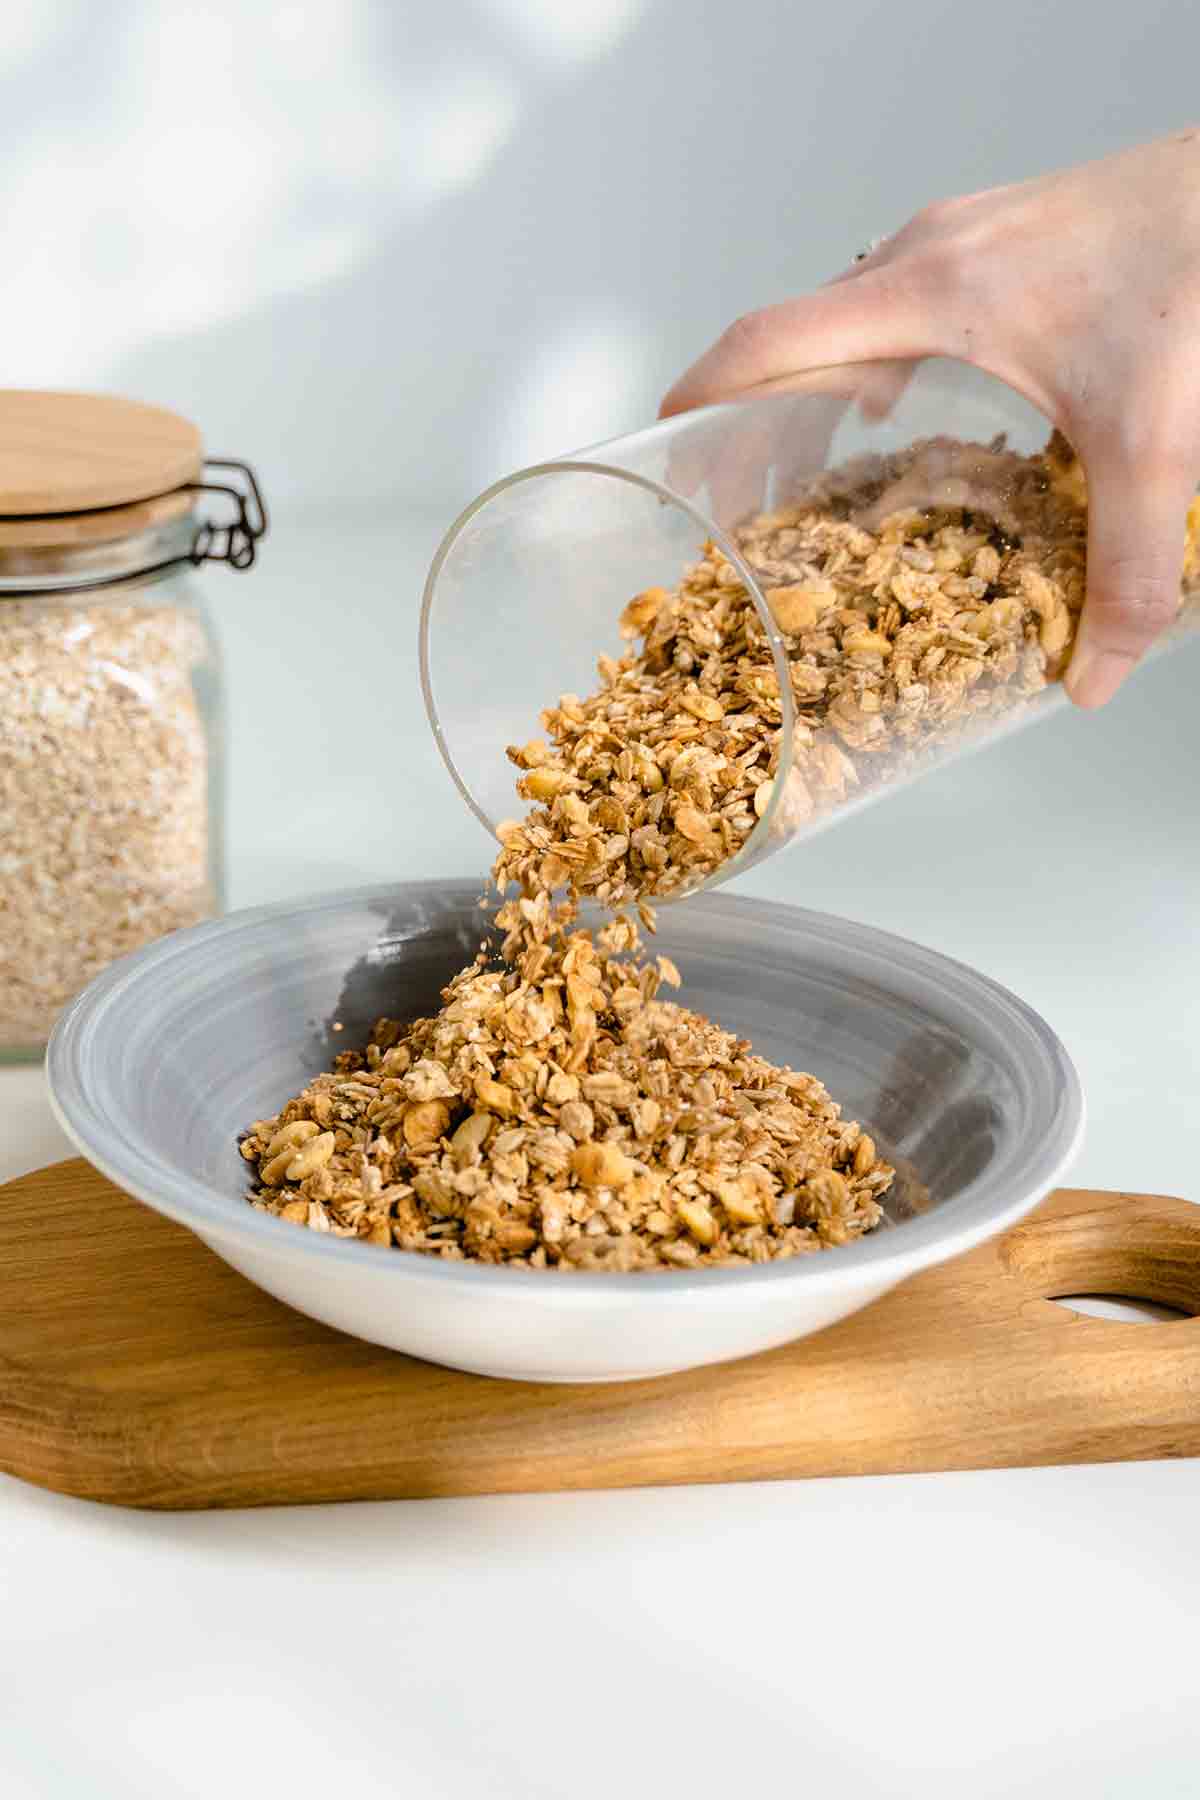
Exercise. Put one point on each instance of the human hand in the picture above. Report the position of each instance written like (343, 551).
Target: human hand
(1081, 290)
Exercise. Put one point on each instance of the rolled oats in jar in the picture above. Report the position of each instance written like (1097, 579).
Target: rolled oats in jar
(110, 699)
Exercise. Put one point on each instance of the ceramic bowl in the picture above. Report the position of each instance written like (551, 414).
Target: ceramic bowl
(156, 1068)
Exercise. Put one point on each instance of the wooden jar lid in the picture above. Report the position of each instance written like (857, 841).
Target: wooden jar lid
(106, 525)
(76, 453)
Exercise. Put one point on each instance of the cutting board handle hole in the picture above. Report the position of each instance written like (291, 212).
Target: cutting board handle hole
(1113, 1253)
(1125, 1307)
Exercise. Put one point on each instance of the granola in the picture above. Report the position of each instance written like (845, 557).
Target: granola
(918, 595)
(557, 1113)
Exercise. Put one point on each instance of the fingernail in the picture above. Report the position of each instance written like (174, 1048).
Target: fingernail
(1095, 675)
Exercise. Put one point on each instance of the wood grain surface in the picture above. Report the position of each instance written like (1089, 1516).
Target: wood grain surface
(136, 1368)
(104, 525)
(64, 452)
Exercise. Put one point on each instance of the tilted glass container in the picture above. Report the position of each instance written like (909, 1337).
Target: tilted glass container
(111, 727)
(897, 571)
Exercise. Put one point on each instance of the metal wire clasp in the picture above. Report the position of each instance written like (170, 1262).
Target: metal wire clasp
(234, 541)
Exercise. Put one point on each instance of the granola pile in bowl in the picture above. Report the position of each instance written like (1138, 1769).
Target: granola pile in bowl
(157, 1070)
(555, 1114)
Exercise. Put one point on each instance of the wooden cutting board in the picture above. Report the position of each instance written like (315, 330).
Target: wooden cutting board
(135, 1367)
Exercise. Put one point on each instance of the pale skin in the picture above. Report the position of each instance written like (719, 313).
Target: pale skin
(1080, 289)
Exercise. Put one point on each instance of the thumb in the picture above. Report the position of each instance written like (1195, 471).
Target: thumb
(1137, 518)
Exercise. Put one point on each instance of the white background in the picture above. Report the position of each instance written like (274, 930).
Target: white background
(390, 250)
(386, 252)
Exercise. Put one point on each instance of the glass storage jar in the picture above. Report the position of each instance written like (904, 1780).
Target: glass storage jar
(110, 693)
(854, 576)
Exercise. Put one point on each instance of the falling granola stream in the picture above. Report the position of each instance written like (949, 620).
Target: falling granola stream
(557, 1112)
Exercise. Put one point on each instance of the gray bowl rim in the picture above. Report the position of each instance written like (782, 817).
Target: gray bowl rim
(981, 1211)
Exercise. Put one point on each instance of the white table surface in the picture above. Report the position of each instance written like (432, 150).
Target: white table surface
(955, 1635)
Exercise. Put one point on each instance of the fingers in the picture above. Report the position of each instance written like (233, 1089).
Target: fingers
(731, 465)
(722, 464)
(804, 447)
(738, 478)
(878, 314)
(1136, 524)
(881, 388)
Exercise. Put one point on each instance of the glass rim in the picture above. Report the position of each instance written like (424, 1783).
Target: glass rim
(755, 844)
